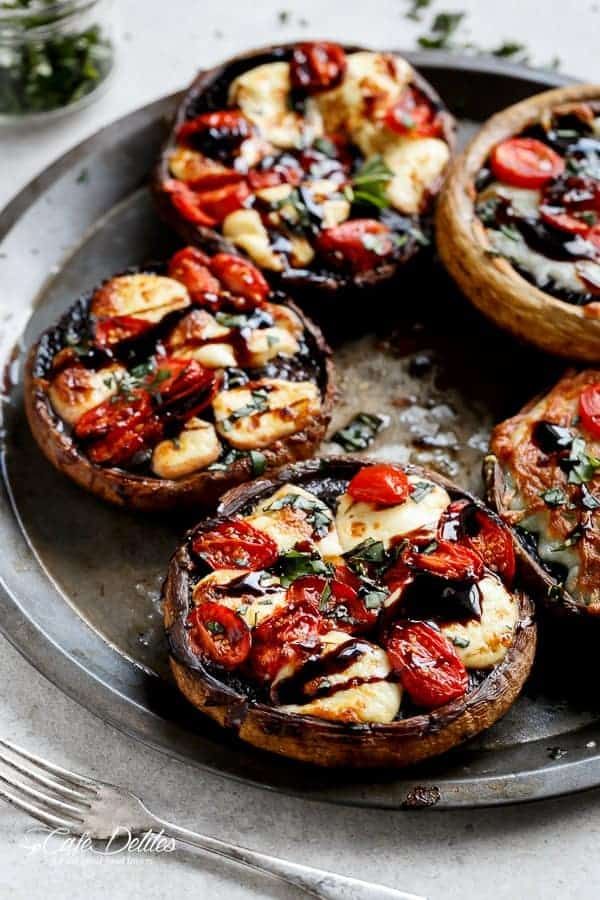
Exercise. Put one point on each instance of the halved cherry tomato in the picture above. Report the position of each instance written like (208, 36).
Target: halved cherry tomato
(525, 162)
(558, 218)
(240, 277)
(317, 66)
(491, 542)
(220, 633)
(429, 668)
(280, 173)
(589, 409)
(190, 267)
(290, 634)
(187, 202)
(119, 429)
(218, 134)
(186, 388)
(236, 545)
(381, 485)
(360, 244)
(413, 115)
(115, 329)
(447, 560)
(593, 236)
(219, 203)
(398, 576)
(208, 174)
(338, 601)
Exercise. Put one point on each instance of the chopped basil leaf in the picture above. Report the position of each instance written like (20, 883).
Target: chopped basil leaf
(419, 490)
(215, 627)
(430, 548)
(360, 432)
(588, 499)
(554, 497)
(325, 595)
(318, 515)
(459, 641)
(231, 320)
(259, 402)
(370, 182)
(324, 145)
(510, 232)
(258, 461)
(294, 564)
(375, 599)
(583, 467)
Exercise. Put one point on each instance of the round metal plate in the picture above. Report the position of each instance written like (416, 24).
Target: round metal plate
(80, 581)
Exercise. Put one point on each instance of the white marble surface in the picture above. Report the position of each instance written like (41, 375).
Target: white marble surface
(541, 850)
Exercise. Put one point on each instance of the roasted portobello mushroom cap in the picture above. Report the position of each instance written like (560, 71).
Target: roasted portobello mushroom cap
(518, 222)
(349, 612)
(321, 163)
(165, 387)
(543, 478)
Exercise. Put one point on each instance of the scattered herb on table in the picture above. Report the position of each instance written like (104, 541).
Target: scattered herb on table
(442, 29)
(360, 432)
(416, 8)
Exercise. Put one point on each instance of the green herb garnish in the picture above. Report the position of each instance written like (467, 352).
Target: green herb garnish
(510, 232)
(317, 514)
(294, 564)
(370, 183)
(443, 27)
(416, 7)
(258, 461)
(459, 641)
(584, 467)
(554, 497)
(360, 432)
(419, 490)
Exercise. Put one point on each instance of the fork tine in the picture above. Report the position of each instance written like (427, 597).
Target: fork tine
(35, 811)
(44, 798)
(34, 775)
(72, 777)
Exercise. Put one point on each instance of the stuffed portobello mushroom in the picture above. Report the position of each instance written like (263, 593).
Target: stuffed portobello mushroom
(167, 386)
(519, 221)
(348, 612)
(319, 163)
(544, 479)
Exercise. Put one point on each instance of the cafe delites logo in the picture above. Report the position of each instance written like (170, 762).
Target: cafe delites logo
(60, 844)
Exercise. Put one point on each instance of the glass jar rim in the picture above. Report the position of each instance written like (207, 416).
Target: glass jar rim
(53, 12)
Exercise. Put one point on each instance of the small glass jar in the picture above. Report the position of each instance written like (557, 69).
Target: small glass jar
(54, 56)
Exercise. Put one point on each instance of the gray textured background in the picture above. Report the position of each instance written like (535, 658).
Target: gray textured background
(541, 850)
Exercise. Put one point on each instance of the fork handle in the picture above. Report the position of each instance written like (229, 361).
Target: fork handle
(317, 882)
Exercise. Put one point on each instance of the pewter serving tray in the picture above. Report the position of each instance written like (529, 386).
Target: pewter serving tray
(81, 581)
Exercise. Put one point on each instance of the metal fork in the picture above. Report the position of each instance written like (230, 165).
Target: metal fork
(83, 806)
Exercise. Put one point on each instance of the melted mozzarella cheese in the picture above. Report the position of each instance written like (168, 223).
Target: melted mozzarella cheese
(484, 644)
(190, 166)
(258, 415)
(263, 95)
(143, 296)
(417, 165)
(289, 525)
(264, 344)
(251, 608)
(195, 448)
(371, 79)
(245, 229)
(552, 549)
(543, 269)
(358, 521)
(76, 390)
(378, 701)
(524, 201)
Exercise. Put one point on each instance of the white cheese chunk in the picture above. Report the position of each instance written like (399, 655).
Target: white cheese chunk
(263, 93)
(245, 229)
(418, 165)
(542, 269)
(484, 644)
(257, 415)
(76, 390)
(290, 524)
(194, 448)
(187, 341)
(263, 344)
(143, 296)
(377, 701)
(358, 521)
(188, 165)
(251, 608)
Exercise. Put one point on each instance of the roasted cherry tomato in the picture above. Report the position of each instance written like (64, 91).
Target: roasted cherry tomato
(208, 175)
(218, 632)
(337, 600)
(219, 203)
(218, 134)
(240, 277)
(593, 236)
(448, 560)
(558, 218)
(576, 193)
(119, 429)
(317, 66)
(413, 115)
(429, 668)
(398, 576)
(589, 409)
(188, 203)
(284, 170)
(115, 329)
(190, 267)
(381, 485)
(358, 244)
(183, 387)
(290, 634)
(525, 162)
(236, 545)
(491, 542)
